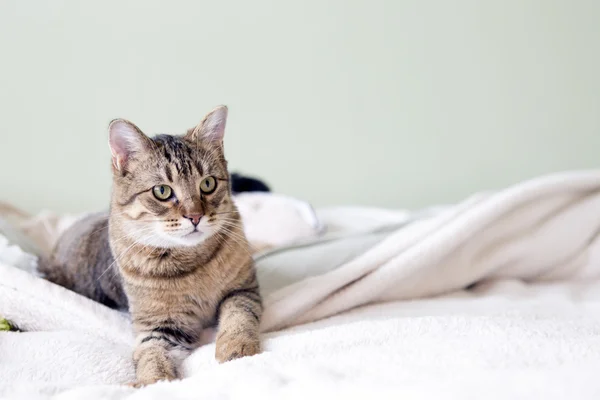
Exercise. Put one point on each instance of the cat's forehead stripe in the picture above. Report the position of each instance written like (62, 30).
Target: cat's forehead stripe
(168, 173)
(179, 154)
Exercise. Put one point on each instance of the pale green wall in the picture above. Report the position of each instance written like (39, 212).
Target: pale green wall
(393, 103)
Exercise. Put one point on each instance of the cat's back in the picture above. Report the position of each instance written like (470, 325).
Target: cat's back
(82, 261)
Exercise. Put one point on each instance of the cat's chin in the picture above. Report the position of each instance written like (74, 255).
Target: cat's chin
(191, 239)
(165, 241)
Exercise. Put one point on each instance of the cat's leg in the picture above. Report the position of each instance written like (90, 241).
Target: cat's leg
(239, 319)
(157, 357)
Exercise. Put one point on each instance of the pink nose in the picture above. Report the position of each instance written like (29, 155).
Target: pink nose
(195, 218)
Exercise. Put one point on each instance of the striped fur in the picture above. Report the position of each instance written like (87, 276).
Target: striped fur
(145, 255)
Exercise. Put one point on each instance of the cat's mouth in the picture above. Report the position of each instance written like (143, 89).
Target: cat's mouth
(195, 233)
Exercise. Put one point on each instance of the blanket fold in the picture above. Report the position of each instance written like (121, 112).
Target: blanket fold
(542, 229)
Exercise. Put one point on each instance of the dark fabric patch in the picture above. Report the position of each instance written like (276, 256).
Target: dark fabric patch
(241, 183)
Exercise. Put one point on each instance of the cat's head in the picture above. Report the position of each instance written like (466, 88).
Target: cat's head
(171, 191)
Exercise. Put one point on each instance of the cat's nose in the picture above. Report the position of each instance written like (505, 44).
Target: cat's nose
(195, 218)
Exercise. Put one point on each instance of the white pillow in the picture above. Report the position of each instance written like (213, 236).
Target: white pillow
(272, 220)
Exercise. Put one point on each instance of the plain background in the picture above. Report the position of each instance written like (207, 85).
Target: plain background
(386, 103)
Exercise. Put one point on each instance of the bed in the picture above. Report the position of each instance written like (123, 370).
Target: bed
(496, 297)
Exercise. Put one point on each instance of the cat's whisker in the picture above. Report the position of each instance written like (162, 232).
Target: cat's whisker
(246, 248)
(99, 229)
(131, 235)
(120, 256)
(230, 231)
(230, 228)
(239, 239)
(229, 219)
(144, 247)
(233, 224)
(243, 244)
(114, 262)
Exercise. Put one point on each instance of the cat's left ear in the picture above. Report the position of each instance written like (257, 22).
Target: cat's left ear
(212, 127)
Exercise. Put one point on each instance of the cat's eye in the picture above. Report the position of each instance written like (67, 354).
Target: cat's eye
(162, 192)
(208, 185)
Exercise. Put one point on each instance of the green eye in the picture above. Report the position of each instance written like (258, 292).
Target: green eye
(208, 185)
(162, 192)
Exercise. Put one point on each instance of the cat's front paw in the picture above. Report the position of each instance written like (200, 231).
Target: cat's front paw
(150, 380)
(236, 346)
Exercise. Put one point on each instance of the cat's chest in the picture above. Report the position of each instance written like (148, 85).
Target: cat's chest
(197, 293)
(203, 306)
(178, 286)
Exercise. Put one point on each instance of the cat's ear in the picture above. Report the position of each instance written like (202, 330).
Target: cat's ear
(125, 139)
(212, 127)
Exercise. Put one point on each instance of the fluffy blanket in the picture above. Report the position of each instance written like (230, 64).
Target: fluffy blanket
(528, 325)
(542, 230)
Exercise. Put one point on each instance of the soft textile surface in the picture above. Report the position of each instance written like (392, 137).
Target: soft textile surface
(501, 339)
(504, 340)
(14, 255)
(542, 230)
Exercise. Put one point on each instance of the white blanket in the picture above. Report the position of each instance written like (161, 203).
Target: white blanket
(501, 339)
(541, 230)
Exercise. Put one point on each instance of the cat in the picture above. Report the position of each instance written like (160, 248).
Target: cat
(171, 250)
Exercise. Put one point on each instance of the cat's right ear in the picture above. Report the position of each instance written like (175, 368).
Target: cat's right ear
(125, 139)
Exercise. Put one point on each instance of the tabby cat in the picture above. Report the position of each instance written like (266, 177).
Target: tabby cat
(171, 250)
